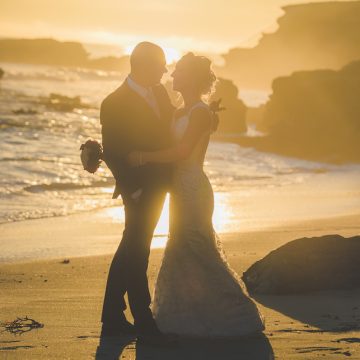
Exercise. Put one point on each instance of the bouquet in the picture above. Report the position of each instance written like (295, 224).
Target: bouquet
(91, 155)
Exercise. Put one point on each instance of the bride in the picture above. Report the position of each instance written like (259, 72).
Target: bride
(197, 293)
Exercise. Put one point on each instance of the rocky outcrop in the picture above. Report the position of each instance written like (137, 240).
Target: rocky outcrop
(313, 115)
(309, 36)
(53, 52)
(308, 264)
(42, 51)
(233, 119)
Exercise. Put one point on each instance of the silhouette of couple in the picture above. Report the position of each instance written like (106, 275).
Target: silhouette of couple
(151, 149)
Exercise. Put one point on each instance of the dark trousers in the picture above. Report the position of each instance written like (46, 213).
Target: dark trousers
(129, 266)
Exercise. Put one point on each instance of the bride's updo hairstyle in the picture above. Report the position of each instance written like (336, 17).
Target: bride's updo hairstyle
(198, 72)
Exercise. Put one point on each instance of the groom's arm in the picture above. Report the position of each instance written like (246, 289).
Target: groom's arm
(116, 146)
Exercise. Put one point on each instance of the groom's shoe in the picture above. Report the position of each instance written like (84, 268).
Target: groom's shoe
(123, 328)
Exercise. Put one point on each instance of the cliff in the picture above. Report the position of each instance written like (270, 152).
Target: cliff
(309, 36)
(53, 52)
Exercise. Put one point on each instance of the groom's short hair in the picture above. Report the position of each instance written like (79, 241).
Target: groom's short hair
(146, 53)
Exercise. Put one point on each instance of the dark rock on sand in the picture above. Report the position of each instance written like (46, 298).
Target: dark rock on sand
(308, 264)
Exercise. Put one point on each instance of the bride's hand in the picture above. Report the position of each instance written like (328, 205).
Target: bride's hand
(135, 159)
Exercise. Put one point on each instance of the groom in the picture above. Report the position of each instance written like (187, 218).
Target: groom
(136, 116)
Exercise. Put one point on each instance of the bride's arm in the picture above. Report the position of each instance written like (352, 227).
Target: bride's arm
(199, 123)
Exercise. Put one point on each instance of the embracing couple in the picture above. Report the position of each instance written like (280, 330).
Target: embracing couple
(151, 149)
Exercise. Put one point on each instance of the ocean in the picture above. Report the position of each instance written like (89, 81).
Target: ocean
(42, 176)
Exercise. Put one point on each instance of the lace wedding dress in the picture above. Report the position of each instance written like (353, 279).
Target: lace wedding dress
(197, 293)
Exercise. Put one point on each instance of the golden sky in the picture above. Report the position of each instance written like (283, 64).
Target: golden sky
(200, 25)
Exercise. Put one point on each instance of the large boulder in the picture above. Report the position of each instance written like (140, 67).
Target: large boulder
(308, 264)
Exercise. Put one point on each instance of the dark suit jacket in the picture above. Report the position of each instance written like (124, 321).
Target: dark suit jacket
(128, 124)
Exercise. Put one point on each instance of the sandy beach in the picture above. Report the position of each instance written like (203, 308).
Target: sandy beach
(67, 299)
(283, 162)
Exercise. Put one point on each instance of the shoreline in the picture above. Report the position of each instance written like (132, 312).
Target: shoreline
(98, 232)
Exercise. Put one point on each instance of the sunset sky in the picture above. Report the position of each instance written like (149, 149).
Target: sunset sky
(200, 25)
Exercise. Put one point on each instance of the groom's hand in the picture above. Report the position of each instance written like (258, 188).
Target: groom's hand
(136, 195)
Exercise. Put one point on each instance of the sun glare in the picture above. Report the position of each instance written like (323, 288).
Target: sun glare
(171, 54)
(221, 218)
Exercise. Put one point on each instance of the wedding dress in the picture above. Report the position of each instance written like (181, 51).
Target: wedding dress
(197, 293)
